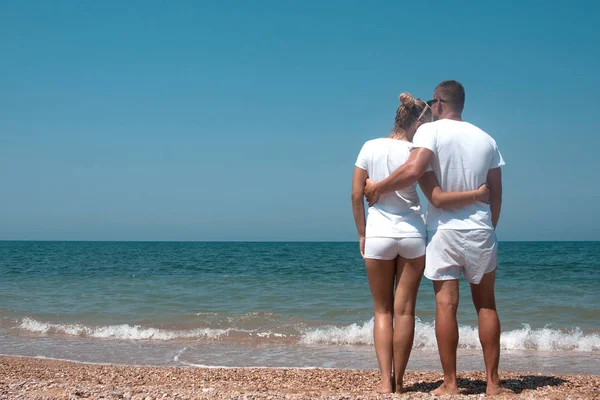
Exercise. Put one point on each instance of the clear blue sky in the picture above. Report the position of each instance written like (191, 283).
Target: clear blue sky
(239, 120)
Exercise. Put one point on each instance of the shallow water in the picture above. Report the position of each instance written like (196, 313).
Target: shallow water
(277, 305)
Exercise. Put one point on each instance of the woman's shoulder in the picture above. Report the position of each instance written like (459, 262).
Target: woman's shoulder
(401, 144)
(372, 144)
(379, 140)
(386, 143)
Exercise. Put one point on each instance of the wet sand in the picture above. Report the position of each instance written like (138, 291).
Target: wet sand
(30, 378)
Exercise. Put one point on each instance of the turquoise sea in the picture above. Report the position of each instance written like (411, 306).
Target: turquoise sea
(278, 305)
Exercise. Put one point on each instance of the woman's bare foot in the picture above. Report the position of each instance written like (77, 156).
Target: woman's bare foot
(445, 389)
(398, 386)
(495, 389)
(386, 386)
(385, 389)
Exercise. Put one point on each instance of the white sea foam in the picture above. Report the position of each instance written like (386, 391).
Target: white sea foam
(545, 339)
(526, 338)
(350, 334)
(130, 332)
(179, 353)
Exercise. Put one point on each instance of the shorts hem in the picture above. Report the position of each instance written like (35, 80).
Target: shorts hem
(485, 273)
(414, 258)
(440, 279)
(379, 258)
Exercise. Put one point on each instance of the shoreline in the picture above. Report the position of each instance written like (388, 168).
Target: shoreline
(42, 378)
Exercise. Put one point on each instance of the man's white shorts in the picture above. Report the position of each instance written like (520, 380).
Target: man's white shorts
(450, 252)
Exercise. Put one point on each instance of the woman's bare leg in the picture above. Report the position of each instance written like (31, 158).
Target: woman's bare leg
(408, 276)
(381, 281)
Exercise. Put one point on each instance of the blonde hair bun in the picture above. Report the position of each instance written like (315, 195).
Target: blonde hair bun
(407, 99)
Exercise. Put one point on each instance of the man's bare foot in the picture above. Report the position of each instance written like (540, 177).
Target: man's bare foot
(495, 389)
(445, 389)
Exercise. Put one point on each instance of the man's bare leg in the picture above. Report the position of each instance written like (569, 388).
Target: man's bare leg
(489, 330)
(381, 281)
(446, 332)
(408, 276)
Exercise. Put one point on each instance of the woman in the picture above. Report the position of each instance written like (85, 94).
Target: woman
(393, 239)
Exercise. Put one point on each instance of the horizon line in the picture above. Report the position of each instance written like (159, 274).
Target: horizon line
(254, 241)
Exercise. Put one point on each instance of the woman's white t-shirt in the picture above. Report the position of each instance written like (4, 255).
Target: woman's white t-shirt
(397, 214)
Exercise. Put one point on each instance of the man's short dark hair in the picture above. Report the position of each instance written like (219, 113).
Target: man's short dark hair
(454, 93)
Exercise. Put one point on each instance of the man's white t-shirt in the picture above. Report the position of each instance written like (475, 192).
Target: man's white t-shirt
(462, 156)
(397, 214)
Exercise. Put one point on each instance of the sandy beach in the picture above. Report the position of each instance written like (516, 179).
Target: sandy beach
(30, 378)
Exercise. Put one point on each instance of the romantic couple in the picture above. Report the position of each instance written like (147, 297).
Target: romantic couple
(457, 166)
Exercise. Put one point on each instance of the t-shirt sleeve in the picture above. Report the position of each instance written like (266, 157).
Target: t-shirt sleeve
(426, 137)
(497, 161)
(361, 161)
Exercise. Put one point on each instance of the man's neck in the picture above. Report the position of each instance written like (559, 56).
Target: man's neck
(453, 117)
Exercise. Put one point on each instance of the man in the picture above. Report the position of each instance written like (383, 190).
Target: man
(460, 240)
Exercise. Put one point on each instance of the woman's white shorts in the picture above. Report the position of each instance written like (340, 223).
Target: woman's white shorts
(382, 248)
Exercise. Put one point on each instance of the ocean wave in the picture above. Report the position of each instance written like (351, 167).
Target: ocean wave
(526, 338)
(138, 332)
(123, 331)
